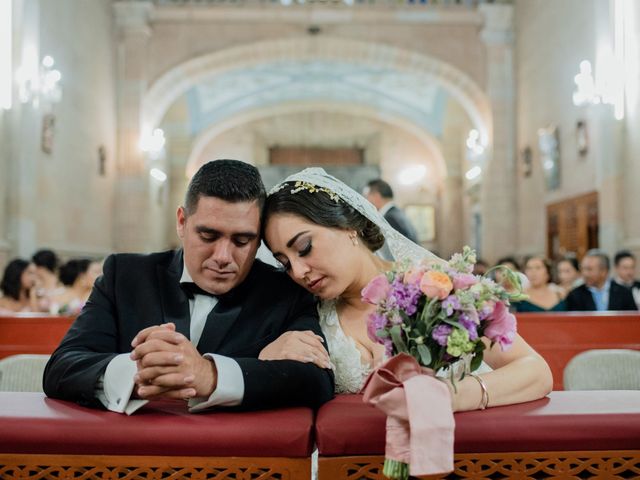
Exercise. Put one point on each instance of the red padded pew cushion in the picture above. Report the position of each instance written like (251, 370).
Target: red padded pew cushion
(565, 421)
(32, 423)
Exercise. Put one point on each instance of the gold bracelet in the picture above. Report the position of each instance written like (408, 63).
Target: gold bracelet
(484, 401)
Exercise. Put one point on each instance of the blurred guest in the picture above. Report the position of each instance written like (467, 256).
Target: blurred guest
(544, 296)
(624, 264)
(481, 267)
(19, 287)
(599, 292)
(568, 270)
(47, 263)
(498, 273)
(380, 194)
(78, 276)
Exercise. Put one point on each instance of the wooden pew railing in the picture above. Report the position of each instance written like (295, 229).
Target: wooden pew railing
(31, 333)
(559, 337)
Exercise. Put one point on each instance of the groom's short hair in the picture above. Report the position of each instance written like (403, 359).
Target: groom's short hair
(382, 187)
(229, 180)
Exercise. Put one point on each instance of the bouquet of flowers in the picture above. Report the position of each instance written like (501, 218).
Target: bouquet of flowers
(437, 314)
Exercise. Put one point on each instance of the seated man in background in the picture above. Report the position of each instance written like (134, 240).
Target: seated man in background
(599, 292)
(625, 267)
(197, 318)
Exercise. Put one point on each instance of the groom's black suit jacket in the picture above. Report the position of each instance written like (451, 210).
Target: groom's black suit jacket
(138, 291)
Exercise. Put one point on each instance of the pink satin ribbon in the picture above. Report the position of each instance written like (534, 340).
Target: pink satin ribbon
(420, 420)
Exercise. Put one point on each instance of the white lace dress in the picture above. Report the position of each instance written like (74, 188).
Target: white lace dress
(348, 367)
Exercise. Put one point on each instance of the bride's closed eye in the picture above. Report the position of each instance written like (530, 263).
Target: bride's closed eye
(302, 252)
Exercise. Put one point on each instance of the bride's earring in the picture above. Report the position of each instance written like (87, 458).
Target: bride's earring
(354, 239)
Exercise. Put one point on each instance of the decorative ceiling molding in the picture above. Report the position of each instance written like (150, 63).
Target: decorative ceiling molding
(358, 54)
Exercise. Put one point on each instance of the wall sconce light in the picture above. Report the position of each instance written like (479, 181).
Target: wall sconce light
(158, 174)
(39, 83)
(152, 142)
(412, 175)
(474, 144)
(585, 92)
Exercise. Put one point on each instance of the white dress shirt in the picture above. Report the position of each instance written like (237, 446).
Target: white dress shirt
(116, 385)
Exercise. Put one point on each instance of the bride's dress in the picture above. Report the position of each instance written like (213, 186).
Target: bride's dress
(349, 368)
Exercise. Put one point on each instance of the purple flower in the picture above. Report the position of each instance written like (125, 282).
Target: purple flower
(406, 296)
(486, 310)
(450, 304)
(376, 321)
(468, 322)
(441, 333)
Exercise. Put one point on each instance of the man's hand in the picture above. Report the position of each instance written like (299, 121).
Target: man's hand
(169, 366)
(304, 347)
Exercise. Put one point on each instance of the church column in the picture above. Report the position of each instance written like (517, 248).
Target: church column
(133, 193)
(498, 199)
(22, 131)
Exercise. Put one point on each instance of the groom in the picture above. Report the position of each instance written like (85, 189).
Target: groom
(190, 323)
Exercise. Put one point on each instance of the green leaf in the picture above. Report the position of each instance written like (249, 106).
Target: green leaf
(382, 333)
(475, 362)
(396, 336)
(453, 323)
(425, 355)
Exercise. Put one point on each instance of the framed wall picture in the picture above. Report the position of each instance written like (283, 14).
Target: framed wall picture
(48, 126)
(549, 145)
(423, 218)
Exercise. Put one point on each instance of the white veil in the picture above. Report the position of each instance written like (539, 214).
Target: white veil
(399, 245)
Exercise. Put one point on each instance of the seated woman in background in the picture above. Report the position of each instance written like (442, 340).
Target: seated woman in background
(543, 295)
(78, 276)
(568, 274)
(47, 263)
(19, 287)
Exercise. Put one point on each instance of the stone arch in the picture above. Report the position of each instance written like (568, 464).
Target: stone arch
(168, 87)
(430, 142)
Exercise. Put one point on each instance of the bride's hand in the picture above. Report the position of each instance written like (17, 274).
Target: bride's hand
(306, 347)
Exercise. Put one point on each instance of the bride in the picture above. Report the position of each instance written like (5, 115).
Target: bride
(325, 234)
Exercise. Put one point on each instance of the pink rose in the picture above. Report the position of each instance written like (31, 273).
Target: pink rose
(376, 290)
(501, 326)
(462, 281)
(413, 275)
(436, 284)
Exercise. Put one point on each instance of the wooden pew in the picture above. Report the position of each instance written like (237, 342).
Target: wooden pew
(560, 336)
(31, 333)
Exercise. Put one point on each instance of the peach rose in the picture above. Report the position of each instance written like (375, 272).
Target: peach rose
(436, 284)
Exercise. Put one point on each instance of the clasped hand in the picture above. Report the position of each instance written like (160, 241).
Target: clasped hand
(169, 366)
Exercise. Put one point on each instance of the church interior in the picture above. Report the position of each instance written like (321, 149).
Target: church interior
(509, 126)
(506, 126)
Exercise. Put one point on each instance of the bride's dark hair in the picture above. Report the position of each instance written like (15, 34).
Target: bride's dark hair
(318, 207)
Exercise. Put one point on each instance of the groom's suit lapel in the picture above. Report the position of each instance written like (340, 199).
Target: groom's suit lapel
(175, 304)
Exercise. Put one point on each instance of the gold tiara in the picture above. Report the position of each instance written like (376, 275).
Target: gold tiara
(311, 188)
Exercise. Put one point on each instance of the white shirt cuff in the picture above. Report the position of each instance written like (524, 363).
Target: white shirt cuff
(229, 390)
(117, 386)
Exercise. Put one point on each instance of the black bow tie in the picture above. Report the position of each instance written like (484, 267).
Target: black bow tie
(191, 289)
